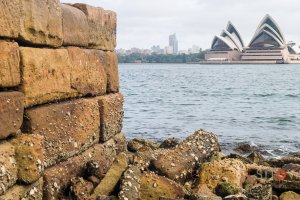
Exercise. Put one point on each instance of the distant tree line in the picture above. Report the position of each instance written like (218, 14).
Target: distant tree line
(161, 58)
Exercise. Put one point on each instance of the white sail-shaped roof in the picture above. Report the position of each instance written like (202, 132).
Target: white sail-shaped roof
(229, 39)
(268, 34)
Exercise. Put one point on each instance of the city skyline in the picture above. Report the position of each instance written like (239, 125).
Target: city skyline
(143, 23)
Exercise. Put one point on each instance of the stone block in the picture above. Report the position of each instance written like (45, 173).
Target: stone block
(110, 63)
(87, 72)
(41, 22)
(11, 113)
(102, 27)
(178, 163)
(75, 27)
(10, 14)
(68, 128)
(8, 167)
(58, 178)
(9, 64)
(111, 111)
(29, 157)
(46, 75)
(25, 192)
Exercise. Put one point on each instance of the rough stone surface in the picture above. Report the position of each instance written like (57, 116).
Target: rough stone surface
(112, 177)
(111, 111)
(169, 143)
(87, 72)
(68, 128)
(11, 113)
(8, 167)
(80, 189)
(9, 62)
(25, 192)
(204, 193)
(262, 192)
(41, 22)
(10, 14)
(290, 196)
(137, 144)
(154, 187)
(29, 157)
(110, 63)
(46, 75)
(58, 177)
(179, 163)
(75, 27)
(120, 143)
(231, 170)
(102, 27)
(130, 185)
(224, 189)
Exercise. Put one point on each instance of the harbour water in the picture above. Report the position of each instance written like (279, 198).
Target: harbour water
(256, 104)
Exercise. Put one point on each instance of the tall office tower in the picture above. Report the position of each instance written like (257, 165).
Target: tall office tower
(173, 42)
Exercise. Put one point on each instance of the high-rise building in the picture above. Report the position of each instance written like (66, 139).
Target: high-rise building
(173, 42)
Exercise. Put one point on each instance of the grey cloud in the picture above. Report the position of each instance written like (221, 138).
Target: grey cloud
(143, 23)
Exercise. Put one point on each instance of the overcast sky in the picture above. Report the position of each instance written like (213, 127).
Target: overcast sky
(143, 23)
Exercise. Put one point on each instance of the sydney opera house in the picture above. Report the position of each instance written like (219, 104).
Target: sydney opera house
(268, 46)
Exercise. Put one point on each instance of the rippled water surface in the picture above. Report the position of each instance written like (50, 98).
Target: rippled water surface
(259, 104)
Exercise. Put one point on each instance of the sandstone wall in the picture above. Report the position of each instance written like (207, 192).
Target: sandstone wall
(60, 105)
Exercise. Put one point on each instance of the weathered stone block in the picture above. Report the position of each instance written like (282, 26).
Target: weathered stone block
(87, 72)
(75, 27)
(46, 75)
(102, 27)
(121, 143)
(58, 177)
(11, 113)
(130, 184)
(8, 167)
(10, 14)
(68, 128)
(29, 157)
(110, 63)
(156, 187)
(25, 192)
(111, 111)
(41, 22)
(178, 163)
(9, 64)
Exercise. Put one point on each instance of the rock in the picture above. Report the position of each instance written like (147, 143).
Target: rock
(154, 187)
(120, 143)
(285, 160)
(245, 148)
(250, 181)
(94, 180)
(169, 143)
(111, 115)
(130, 184)
(75, 27)
(8, 167)
(274, 197)
(11, 113)
(48, 83)
(45, 30)
(10, 14)
(109, 182)
(93, 169)
(256, 157)
(103, 197)
(204, 193)
(290, 196)
(58, 178)
(68, 128)
(81, 189)
(224, 189)
(102, 27)
(9, 62)
(110, 63)
(178, 163)
(87, 72)
(29, 157)
(25, 192)
(286, 185)
(236, 197)
(239, 157)
(292, 167)
(136, 144)
(231, 170)
(262, 192)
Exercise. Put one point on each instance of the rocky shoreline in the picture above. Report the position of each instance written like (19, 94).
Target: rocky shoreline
(194, 169)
